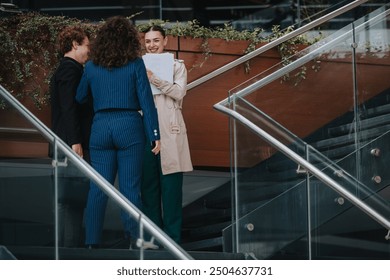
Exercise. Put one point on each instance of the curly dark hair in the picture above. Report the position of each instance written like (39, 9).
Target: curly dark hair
(117, 42)
(68, 35)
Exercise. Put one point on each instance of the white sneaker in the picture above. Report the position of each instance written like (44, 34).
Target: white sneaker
(147, 244)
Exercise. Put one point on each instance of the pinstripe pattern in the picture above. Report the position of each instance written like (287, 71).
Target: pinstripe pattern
(117, 137)
(124, 87)
(116, 145)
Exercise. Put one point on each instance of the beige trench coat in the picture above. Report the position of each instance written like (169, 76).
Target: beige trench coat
(175, 152)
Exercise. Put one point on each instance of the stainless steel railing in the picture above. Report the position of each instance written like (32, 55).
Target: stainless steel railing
(221, 106)
(385, 222)
(92, 174)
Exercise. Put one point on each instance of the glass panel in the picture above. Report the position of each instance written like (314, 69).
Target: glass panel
(26, 187)
(367, 120)
(73, 187)
(339, 229)
(271, 203)
(42, 201)
(317, 102)
(72, 191)
(372, 58)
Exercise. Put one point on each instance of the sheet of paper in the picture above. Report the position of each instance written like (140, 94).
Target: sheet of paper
(161, 65)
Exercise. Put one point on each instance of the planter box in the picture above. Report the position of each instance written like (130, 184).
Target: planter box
(27, 144)
(215, 45)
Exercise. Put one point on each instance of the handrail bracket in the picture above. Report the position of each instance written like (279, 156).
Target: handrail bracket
(56, 163)
(301, 170)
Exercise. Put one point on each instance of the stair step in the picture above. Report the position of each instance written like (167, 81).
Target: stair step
(47, 253)
(363, 124)
(379, 110)
(196, 233)
(350, 138)
(209, 244)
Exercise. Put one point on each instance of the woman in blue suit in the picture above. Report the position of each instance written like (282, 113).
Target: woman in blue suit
(120, 89)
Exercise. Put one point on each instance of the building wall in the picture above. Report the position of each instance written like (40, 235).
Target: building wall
(207, 12)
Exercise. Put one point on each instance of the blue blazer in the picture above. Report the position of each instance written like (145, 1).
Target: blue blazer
(125, 87)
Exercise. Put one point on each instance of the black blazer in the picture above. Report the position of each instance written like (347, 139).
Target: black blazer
(70, 120)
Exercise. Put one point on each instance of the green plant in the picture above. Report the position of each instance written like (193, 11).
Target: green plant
(289, 49)
(28, 54)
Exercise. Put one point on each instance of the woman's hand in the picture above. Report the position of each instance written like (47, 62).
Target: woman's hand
(150, 74)
(77, 148)
(157, 147)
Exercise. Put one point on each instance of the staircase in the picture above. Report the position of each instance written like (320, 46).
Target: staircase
(207, 203)
(27, 215)
(47, 253)
(206, 218)
(207, 209)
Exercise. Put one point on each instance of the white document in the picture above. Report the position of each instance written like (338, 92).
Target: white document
(161, 65)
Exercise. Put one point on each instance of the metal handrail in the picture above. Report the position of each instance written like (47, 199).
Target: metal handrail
(92, 174)
(287, 151)
(275, 43)
(307, 165)
(19, 130)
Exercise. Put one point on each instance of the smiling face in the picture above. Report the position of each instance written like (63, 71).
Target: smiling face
(155, 42)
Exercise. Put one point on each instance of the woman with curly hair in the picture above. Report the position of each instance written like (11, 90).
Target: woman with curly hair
(120, 89)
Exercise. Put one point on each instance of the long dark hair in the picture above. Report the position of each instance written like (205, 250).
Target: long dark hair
(117, 42)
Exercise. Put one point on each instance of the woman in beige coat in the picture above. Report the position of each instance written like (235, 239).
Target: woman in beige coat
(161, 189)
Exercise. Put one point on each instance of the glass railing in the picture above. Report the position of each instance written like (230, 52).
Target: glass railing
(329, 87)
(221, 76)
(277, 220)
(43, 198)
(340, 230)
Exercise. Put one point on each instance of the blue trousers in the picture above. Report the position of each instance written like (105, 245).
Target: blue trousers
(116, 147)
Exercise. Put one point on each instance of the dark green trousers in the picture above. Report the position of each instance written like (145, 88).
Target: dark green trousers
(162, 196)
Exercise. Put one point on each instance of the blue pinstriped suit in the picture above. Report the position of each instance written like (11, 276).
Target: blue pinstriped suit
(117, 136)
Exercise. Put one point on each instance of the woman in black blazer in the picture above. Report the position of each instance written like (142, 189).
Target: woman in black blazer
(71, 122)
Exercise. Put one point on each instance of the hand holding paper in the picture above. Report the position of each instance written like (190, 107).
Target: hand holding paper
(161, 65)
